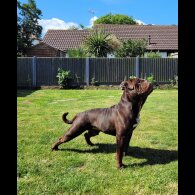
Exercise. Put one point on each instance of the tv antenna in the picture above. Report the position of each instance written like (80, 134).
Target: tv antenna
(91, 11)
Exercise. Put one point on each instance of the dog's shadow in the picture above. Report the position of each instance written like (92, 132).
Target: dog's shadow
(152, 156)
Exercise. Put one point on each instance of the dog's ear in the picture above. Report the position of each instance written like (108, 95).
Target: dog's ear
(125, 78)
(123, 85)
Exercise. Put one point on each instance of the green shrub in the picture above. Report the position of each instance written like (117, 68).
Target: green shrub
(64, 78)
(151, 79)
(132, 48)
(174, 82)
(77, 53)
(94, 82)
(153, 55)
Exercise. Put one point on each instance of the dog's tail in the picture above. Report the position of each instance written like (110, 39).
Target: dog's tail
(66, 120)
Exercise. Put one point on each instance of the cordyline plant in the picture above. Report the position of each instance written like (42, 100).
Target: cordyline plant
(100, 43)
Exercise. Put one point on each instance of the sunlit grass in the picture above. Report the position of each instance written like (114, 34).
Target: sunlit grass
(81, 169)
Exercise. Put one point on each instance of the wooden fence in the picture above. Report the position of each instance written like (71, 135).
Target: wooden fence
(41, 71)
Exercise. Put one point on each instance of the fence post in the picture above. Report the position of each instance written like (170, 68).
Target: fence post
(87, 71)
(34, 76)
(137, 66)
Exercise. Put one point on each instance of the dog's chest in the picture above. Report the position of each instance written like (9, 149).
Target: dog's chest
(137, 121)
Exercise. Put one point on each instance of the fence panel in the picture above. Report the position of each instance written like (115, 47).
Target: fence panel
(44, 71)
(47, 69)
(76, 67)
(104, 70)
(24, 72)
(111, 70)
(163, 69)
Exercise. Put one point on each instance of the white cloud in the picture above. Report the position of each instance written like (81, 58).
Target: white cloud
(91, 21)
(140, 22)
(55, 23)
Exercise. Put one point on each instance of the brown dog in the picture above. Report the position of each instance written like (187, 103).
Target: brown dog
(119, 120)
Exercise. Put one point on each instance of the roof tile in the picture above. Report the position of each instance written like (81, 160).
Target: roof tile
(162, 37)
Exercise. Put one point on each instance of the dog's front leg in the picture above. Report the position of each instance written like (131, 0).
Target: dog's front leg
(128, 138)
(120, 144)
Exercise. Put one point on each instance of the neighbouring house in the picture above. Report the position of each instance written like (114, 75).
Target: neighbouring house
(44, 50)
(162, 39)
(56, 43)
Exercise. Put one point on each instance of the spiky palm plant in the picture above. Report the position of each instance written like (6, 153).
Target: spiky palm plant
(97, 44)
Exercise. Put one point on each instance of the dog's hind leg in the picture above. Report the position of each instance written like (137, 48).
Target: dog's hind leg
(74, 131)
(89, 134)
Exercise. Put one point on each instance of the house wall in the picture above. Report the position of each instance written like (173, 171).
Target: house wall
(43, 50)
(163, 54)
(174, 55)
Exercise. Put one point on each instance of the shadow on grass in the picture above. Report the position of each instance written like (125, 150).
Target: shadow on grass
(152, 156)
(24, 92)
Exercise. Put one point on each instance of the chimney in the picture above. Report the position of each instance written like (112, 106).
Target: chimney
(149, 39)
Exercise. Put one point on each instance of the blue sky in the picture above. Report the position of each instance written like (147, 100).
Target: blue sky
(61, 14)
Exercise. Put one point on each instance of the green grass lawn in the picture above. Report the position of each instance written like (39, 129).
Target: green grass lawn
(151, 166)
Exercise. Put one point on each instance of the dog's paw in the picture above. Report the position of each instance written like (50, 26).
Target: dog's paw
(54, 148)
(91, 144)
(121, 166)
(127, 153)
(88, 140)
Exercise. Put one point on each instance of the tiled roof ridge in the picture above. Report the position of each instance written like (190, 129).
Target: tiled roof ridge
(68, 29)
(157, 25)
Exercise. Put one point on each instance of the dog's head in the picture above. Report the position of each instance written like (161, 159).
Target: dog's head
(137, 87)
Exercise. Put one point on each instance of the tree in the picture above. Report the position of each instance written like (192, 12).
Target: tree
(81, 26)
(73, 27)
(115, 19)
(132, 48)
(28, 28)
(100, 43)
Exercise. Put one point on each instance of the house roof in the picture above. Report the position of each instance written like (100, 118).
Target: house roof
(161, 37)
(65, 39)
